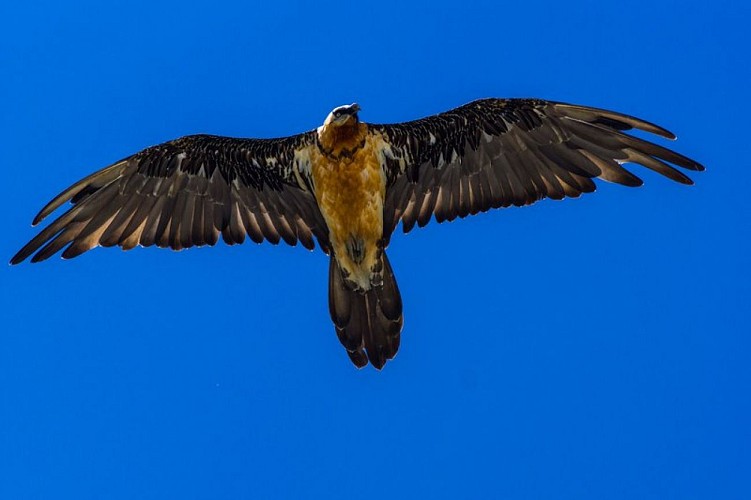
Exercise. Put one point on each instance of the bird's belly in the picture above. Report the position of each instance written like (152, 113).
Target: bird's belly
(350, 194)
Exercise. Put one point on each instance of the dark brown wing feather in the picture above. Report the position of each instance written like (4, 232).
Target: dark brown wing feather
(495, 153)
(188, 192)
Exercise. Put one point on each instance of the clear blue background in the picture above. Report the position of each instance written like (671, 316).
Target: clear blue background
(591, 348)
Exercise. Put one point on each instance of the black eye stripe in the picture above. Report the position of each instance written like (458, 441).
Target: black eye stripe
(343, 111)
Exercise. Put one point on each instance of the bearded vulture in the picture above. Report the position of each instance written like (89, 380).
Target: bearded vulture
(347, 185)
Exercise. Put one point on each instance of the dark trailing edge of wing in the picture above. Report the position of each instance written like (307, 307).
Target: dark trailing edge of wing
(495, 153)
(184, 193)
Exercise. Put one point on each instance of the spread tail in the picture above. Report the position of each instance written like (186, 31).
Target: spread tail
(369, 323)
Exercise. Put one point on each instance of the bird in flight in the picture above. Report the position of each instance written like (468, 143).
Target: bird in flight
(347, 185)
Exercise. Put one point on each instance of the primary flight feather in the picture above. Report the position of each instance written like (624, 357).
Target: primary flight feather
(347, 185)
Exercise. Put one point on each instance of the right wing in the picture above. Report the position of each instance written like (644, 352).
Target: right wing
(494, 153)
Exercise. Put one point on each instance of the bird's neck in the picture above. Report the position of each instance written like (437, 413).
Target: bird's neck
(341, 140)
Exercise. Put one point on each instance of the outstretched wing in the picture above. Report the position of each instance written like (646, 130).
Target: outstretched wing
(494, 153)
(187, 192)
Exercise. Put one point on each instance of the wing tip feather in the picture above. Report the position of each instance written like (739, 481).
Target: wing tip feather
(628, 121)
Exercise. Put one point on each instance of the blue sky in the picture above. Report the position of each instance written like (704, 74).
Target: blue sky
(591, 348)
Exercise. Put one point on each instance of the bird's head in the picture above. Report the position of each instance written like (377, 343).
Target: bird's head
(341, 115)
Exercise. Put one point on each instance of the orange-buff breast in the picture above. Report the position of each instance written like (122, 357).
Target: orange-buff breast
(350, 192)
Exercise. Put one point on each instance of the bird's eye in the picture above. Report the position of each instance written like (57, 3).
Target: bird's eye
(338, 112)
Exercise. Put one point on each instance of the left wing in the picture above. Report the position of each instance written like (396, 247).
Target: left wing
(495, 153)
(187, 192)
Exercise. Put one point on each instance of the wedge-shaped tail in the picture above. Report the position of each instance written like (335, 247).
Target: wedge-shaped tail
(368, 324)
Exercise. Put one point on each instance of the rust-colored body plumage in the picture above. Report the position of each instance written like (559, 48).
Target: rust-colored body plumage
(350, 187)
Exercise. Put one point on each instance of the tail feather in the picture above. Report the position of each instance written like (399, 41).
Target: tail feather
(369, 323)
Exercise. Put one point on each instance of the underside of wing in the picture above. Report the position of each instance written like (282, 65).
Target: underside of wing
(496, 153)
(188, 192)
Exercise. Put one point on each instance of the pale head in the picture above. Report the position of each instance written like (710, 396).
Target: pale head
(343, 114)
